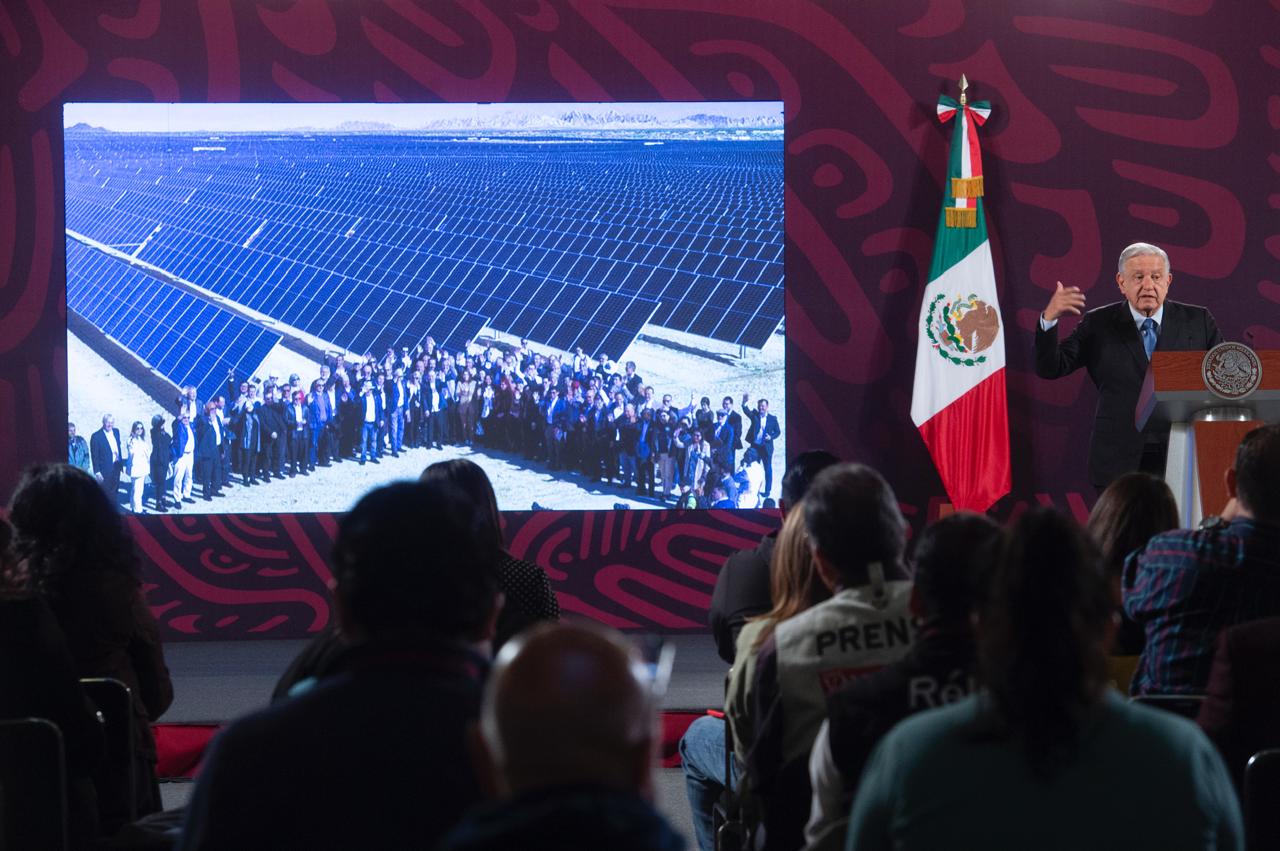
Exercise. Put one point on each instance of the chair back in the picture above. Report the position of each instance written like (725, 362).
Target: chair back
(1186, 705)
(33, 785)
(114, 779)
(1262, 799)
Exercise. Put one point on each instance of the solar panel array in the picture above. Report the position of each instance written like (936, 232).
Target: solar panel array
(369, 241)
(185, 338)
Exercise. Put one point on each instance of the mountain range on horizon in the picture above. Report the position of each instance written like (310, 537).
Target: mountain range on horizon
(518, 121)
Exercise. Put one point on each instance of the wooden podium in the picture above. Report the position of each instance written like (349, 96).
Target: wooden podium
(1205, 427)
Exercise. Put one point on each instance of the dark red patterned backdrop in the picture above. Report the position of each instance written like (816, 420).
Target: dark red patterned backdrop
(1113, 121)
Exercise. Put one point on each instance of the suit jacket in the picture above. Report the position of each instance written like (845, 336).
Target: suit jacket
(771, 428)
(1241, 712)
(377, 405)
(1107, 343)
(319, 411)
(557, 412)
(735, 420)
(272, 420)
(100, 451)
(397, 395)
(181, 437)
(207, 446)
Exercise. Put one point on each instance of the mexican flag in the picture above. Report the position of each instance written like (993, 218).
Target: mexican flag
(958, 401)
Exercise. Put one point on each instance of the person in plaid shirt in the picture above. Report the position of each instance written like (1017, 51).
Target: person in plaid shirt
(1185, 586)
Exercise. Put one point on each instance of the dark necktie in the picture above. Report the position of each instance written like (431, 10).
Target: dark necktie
(1149, 332)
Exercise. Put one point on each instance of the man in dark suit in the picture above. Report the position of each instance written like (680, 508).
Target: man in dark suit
(106, 451)
(764, 428)
(208, 454)
(271, 420)
(1114, 343)
(735, 421)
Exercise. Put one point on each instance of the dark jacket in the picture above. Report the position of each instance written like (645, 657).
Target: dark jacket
(161, 443)
(100, 450)
(374, 756)
(741, 592)
(112, 633)
(566, 819)
(1107, 343)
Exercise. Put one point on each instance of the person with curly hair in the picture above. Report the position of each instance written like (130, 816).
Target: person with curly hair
(83, 564)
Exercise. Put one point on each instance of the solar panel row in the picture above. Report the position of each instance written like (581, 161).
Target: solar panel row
(186, 339)
(566, 248)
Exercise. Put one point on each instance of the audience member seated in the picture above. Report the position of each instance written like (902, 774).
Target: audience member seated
(742, 586)
(1241, 712)
(1130, 512)
(83, 564)
(1047, 754)
(375, 754)
(951, 559)
(525, 587)
(38, 680)
(857, 534)
(1185, 586)
(567, 732)
(794, 587)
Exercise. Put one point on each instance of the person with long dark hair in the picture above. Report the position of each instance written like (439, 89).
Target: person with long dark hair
(525, 585)
(1131, 511)
(83, 564)
(1047, 753)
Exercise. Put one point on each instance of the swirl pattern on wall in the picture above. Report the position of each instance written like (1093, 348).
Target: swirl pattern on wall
(1112, 122)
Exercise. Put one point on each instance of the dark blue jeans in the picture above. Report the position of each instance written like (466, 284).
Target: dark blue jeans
(702, 760)
(369, 441)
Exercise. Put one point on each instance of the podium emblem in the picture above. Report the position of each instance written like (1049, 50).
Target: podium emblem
(1231, 371)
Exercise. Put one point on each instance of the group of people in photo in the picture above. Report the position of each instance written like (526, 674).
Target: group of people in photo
(577, 417)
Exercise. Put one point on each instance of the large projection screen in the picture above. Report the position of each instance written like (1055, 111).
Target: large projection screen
(462, 263)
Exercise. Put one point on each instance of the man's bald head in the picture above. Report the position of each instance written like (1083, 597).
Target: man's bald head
(566, 704)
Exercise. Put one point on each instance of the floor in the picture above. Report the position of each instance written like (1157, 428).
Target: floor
(216, 681)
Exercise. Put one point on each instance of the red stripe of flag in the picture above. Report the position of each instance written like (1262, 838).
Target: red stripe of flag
(969, 442)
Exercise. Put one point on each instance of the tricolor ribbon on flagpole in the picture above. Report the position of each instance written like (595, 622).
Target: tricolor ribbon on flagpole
(966, 159)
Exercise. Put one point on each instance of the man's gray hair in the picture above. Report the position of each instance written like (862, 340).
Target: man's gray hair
(1142, 249)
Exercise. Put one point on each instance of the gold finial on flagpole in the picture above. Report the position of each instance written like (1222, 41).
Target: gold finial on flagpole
(964, 84)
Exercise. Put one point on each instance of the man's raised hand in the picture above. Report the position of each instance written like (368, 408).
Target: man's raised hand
(1064, 300)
